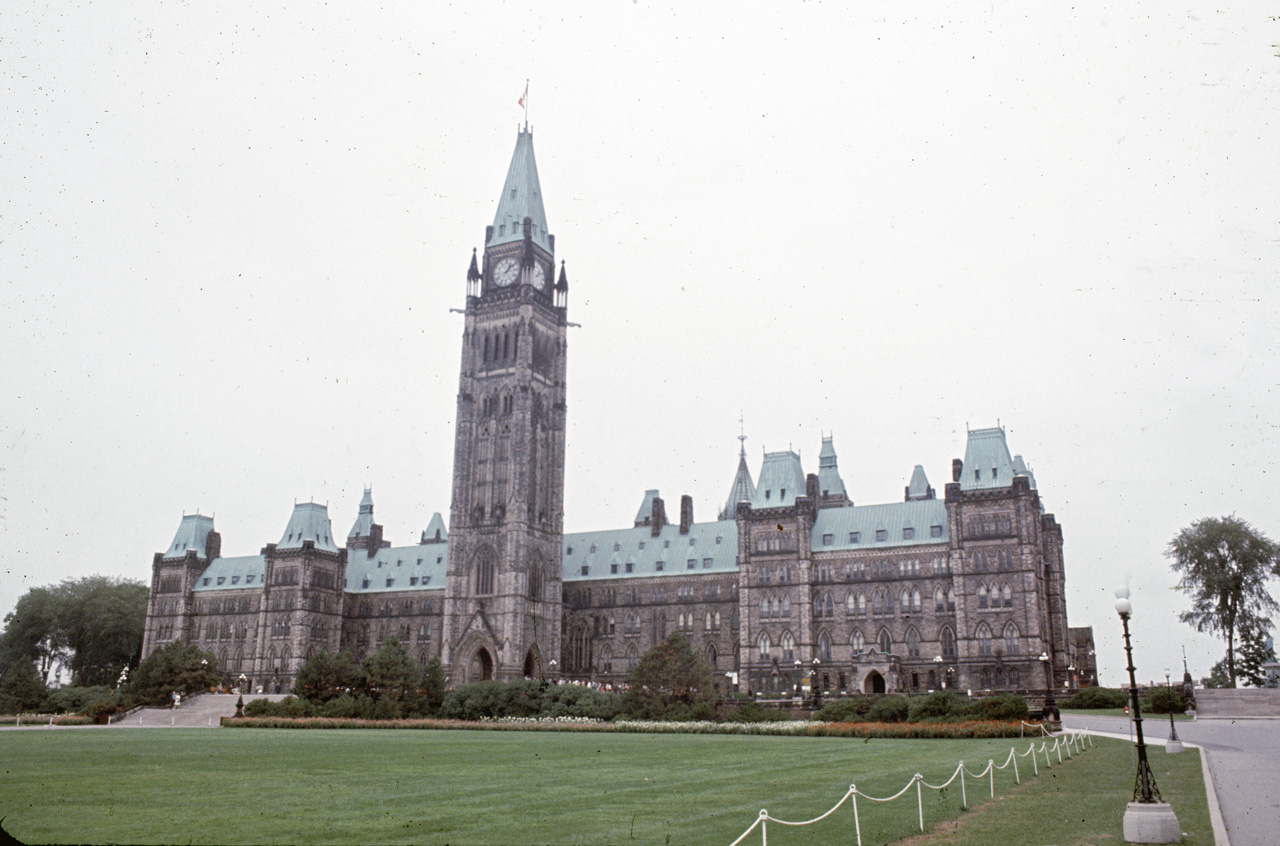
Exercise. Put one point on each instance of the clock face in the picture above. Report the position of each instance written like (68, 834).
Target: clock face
(506, 272)
(538, 275)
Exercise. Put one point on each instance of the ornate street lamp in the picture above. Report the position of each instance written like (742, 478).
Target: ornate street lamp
(937, 662)
(797, 678)
(1174, 744)
(1148, 819)
(1050, 705)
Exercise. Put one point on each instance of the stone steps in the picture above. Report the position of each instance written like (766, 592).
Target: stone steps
(1241, 702)
(203, 711)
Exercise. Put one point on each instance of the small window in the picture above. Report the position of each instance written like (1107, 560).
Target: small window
(221, 579)
(413, 580)
(659, 566)
(995, 472)
(439, 559)
(617, 547)
(399, 562)
(248, 580)
(642, 544)
(935, 531)
(593, 547)
(206, 582)
(419, 562)
(719, 538)
(666, 544)
(977, 475)
(365, 583)
(569, 551)
(827, 539)
(585, 569)
(782, 494)
(390, 582)
(426, 580)
(613, 568)
(630, 566)
(908, 533)
(882, 534)
(768, 493)
(854, 536)
(235, 580)
(693, 562)
(706, 563)
(379, 565)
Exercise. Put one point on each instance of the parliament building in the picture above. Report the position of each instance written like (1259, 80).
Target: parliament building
(793, 583)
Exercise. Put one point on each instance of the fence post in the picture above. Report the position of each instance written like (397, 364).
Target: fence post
(1034, 764)
(1017, 778)
(991, 768)
(964, 800)
(857, 826)
(920, 800)
(1058, 749)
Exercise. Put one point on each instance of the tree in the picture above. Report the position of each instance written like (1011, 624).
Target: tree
(1256, 649)
(21, 688)
(671, 679)
(392, 676)
(176, 666)
(433, 687)
(93, 626)
(327, 676)
(1224, 564)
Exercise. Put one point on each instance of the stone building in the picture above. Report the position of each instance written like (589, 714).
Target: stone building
(792, 583)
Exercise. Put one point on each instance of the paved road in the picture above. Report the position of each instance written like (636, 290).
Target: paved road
(1244, 758)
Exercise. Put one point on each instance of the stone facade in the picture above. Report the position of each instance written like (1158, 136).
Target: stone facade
(793, 585)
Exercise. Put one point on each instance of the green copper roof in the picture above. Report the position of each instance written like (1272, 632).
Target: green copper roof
(829, 481)
(193, 533)
(237, 573)
(634, 553)
(521, 198)
(892, 525)
(396, 568)
(781, 480)
(987, 463)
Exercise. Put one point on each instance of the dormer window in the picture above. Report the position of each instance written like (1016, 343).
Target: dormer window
(719, 539)
(206, 582)
(768, 493)
(617, 546)
(827, 539)
(782, 494)
(994, 472)
(659, 566)
(221, 579)
(235, 580)
(853, 536)
(642, 544)
(977, 475)
(365, 584)
(630, 566)
(908, 533)
(593, 547)
(613, 568)
(882, 535)
(390, 582)
(935, 531)
(569, 551)
(248, 580)
(585, 569)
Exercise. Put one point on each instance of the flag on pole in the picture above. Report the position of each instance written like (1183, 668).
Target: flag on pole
(524, 96)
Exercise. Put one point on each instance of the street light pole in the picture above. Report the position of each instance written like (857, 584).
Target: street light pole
(817, 688)
(1174, 744)
(1148, 819)
(1050, 705)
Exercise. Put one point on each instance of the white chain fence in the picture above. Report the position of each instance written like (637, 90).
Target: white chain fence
(1069, 742)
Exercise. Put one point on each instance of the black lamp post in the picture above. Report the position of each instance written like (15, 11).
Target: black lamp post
(797, 678)
(1174, 744)
(937, 662)
(1148, 819)
(817, 688)
(1050, 704)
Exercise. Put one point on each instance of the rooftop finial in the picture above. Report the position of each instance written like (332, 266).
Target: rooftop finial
(742, 436)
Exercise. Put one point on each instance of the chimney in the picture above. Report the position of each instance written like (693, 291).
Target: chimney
(686, 514)
(659, 517)
(213, 546)
(811, 486)
(375, 539)
(957, 467)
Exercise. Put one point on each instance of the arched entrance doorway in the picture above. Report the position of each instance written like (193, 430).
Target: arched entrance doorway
(530, 665)
(481, 666)
(873, 683)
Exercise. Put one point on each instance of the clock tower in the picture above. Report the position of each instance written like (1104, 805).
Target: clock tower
(502, 585)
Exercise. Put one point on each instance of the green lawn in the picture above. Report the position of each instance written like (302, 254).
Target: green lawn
(462, 787)
(1148, 720)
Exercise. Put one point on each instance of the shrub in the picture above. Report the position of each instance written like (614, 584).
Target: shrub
(259, 708)
(889, 709)
(344, 706)
(73, 699)
(1165, 701)
(1006, 706)
(849, 710)
(937, 706)
(1092, 698)
(753, 712)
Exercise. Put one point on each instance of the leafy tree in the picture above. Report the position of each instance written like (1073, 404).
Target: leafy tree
(392, 676)
(21, 688)
(327, 676)
(1217, 676)
(103, 620)
(671, 679)
(176, 666)
(32, 632)
(1256, 649)
(93, 626)
(1224, 564)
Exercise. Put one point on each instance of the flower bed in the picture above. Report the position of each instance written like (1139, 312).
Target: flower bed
(43, 720)
(795, 728)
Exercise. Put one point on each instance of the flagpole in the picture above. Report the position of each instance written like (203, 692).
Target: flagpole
(526, 105)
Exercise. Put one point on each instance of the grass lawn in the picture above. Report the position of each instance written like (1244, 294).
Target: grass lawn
(460, 787)
(1084, 804)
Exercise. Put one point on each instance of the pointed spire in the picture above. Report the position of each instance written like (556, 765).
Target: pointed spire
(562, 284)
(473, 272)
(743, 488)
(521, 198)
(829, 481)
(363, 526)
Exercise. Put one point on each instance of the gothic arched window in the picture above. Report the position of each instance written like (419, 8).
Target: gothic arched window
(484, 573)
(913, 643)
(948, 643)
(885, 641)
(1011, 644)
(983, 636)
(856, 641)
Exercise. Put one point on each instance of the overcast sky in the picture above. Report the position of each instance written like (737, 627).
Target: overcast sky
(231, 235)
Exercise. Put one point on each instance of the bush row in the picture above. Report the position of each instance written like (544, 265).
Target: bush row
(37, 719)
(1159, 700)
(939, 706)
(793, 728)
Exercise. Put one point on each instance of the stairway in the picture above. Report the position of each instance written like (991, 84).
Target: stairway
(203, 711)
(1225, 703)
